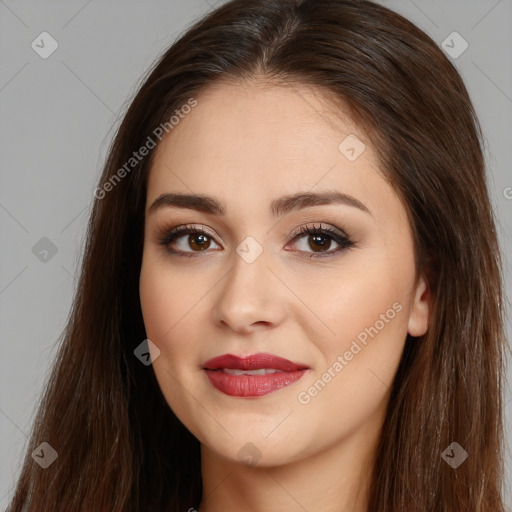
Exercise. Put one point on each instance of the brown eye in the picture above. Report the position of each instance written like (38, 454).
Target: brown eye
(198, 241)
(186, 240)
(316, 241)
(313, 241)
(190, 242)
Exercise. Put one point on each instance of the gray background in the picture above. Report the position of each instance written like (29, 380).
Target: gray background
(57, 116)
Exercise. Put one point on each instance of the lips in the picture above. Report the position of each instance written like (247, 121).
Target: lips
(253, 362)
(253, 375)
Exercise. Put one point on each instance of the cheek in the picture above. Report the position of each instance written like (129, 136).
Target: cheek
(347, 300)
(370, 326)
(367, 315)
(164, 310)
(172, 301)
(350, 386)
(155, 301)
(163, 301)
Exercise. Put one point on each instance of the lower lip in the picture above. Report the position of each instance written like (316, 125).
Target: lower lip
(251, 385)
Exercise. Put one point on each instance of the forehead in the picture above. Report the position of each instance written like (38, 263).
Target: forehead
(256, 118)
(250, 142)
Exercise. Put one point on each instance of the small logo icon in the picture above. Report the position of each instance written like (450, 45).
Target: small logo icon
(249, 249)
(147, 352)
(249, 454)
(454, 45)
(44, 45)
(44, 250)
(454, 455)
(351, 147)
(44, 455)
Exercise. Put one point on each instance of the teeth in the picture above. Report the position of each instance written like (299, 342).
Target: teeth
(262, 371)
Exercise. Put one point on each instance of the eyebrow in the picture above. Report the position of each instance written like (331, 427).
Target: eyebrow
(278, 207)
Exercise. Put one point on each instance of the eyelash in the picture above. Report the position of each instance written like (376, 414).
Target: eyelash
(337, 236)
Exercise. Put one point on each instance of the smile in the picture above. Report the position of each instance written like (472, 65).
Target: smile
(252, 376)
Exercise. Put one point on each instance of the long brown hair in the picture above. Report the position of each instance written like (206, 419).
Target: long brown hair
(120, 447)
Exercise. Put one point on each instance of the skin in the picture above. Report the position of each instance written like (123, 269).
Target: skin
(246, 145)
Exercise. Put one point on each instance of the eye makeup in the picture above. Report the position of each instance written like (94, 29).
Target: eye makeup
(318, 236)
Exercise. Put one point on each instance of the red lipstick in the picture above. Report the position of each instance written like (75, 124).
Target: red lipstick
(253, 375)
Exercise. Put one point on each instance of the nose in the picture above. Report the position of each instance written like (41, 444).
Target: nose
(250, 297)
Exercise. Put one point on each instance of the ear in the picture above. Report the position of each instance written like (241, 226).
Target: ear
(420, 309)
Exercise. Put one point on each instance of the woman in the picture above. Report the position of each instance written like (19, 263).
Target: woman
(291, 292)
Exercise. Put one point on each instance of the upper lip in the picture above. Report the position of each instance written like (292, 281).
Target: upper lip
(253, 362)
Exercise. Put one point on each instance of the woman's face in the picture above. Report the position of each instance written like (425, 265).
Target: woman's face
(338, 302)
